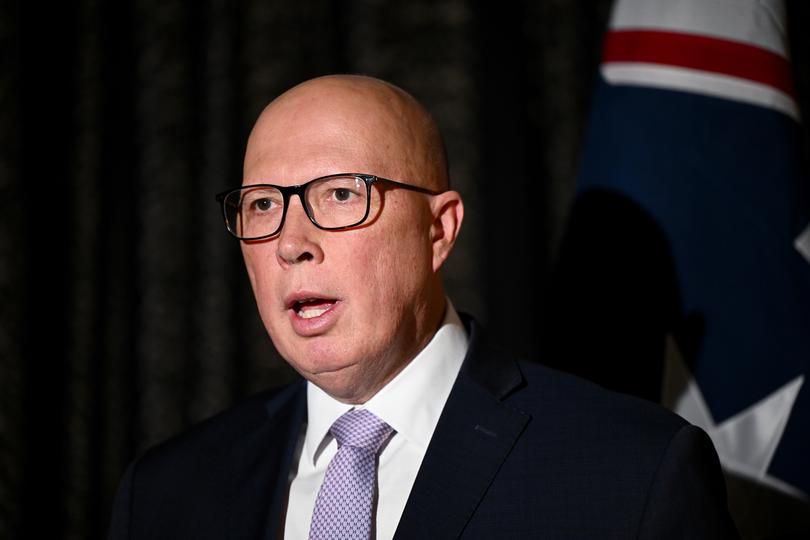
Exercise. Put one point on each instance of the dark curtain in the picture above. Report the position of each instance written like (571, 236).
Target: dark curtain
(125, 312)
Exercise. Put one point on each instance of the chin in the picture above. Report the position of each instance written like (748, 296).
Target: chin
(316, 365)
(341, 385)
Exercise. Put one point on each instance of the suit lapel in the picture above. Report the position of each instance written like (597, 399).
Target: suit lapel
(472, 439)
(260, 463)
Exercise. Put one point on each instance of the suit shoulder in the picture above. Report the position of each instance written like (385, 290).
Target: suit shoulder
(589, 432)
(212, 437)
(594, 409)
(178, 488)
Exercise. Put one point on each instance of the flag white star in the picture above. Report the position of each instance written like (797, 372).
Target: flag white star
(745, 442)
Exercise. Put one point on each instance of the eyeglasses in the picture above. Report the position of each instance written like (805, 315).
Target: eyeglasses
(334, 202)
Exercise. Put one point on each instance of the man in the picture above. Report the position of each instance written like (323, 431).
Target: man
(345, 219)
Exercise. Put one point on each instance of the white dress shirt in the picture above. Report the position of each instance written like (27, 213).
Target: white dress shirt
(411, 403)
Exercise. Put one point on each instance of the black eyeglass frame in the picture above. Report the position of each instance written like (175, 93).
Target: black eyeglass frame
(288, 191)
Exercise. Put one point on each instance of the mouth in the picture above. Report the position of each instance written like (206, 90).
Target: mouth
(311, 307)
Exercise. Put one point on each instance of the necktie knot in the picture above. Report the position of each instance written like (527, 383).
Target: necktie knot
(361, 429)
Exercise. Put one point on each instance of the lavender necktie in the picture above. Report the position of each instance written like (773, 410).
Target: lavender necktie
(344, 503)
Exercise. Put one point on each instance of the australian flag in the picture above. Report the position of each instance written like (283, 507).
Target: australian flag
(691, 199)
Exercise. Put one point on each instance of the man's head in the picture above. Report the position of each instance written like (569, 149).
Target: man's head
(379, 282)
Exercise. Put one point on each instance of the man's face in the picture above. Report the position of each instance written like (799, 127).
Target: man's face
(347, 309)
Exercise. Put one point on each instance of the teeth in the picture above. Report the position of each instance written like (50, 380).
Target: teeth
(310, 313)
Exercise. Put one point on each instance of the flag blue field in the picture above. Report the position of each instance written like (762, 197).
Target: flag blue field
(694, 120)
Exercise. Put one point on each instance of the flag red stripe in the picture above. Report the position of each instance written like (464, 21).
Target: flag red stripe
(701, 53)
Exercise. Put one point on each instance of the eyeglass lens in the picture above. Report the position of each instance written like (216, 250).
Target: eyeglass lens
(333, 202)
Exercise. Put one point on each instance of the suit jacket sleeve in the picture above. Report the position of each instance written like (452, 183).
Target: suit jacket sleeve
(119, 523)
(688, 494)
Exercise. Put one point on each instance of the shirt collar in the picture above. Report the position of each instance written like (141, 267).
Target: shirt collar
(411, 402)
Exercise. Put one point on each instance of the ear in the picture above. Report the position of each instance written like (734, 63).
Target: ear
(448, 213)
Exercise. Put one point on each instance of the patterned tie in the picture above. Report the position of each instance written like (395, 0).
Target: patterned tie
(343, 508)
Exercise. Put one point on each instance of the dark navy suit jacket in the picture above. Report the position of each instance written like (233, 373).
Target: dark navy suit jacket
(520, 451)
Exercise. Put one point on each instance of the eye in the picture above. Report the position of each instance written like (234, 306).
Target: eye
(262, 205)
(343, 194)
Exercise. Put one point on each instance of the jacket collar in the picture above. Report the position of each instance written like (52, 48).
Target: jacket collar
(475, 434)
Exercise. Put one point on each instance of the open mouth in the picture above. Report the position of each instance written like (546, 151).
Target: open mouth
(309, 308)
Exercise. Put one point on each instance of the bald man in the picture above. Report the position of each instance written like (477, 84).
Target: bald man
(405, 422)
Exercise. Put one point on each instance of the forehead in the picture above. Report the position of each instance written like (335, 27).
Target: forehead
(297, 157)
(315, 134)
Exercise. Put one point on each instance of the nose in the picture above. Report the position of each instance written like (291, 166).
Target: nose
(298, 241)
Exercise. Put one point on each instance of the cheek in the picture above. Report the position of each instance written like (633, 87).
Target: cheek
(393, 270)
(254, 269)
(259, 272)
(250, 266)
